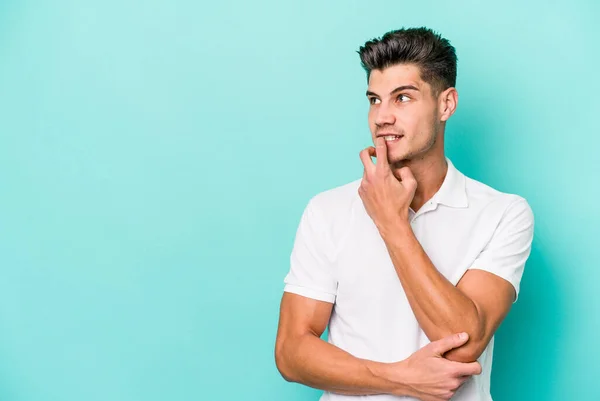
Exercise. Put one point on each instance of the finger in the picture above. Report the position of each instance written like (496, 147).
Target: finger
(372, 151)
(464, 370)
(461, 381)
(365, 157)
(407, 178)
(445, 344)
(381, 152)
(406, 174)
(469, 369)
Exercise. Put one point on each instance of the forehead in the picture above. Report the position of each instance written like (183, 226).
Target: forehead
(395, 76)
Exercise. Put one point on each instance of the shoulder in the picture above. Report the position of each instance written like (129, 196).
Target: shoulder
(503, 205)
(334, 209)
(337, 199)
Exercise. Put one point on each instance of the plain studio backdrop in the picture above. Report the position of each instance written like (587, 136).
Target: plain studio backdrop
(156, 156)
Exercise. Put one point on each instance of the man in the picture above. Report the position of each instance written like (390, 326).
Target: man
(415, 265)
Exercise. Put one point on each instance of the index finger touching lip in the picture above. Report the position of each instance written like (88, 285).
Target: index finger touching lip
(381, 152)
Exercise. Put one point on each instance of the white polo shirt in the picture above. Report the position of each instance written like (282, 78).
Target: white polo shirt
(340, 257)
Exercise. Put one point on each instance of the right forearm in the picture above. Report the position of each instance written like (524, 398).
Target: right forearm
(311, 361)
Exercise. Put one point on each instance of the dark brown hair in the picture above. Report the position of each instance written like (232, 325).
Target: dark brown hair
(434, 55)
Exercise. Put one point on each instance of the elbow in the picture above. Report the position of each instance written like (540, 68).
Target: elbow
(281, 362)
(464, 354)
(470, 351)
(283, 370)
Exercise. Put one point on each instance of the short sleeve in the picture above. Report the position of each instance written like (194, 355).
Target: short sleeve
(507, 251)
(311, 273)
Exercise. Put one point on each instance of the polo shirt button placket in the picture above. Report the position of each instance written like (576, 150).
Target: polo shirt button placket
(431, 206)
(411, 216)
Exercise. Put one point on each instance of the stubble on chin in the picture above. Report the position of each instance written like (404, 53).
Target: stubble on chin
(405, 158)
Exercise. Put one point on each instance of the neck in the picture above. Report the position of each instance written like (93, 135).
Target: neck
(430, 173)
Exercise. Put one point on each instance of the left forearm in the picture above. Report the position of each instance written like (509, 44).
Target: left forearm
(439, 306)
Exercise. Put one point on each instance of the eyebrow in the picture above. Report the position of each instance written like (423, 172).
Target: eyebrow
(398, 89)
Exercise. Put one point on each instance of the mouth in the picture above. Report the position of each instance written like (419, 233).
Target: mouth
(390, 137)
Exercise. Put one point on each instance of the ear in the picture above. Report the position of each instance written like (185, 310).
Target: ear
(448, 101)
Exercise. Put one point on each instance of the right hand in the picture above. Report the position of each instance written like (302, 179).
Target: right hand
(431, 377)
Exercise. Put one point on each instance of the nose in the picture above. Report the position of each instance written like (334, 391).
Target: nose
(384, 116)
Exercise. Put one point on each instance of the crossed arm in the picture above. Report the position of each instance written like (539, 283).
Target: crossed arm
(476, 306)
(303, 357)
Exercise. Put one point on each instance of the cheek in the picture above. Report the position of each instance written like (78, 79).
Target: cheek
(418, 122)
(408, 122)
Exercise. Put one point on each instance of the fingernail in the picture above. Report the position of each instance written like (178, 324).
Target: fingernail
(463, 336)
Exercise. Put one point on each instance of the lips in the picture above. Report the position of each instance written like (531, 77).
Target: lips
(390, 137)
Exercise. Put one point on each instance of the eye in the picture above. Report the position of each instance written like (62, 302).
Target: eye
(373, 100)
(403, 98)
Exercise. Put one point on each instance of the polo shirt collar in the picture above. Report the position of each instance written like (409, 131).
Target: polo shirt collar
(452, 192)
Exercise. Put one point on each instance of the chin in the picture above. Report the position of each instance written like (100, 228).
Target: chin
(398, 158)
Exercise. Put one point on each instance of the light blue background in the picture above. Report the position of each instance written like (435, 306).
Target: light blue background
(155, 158)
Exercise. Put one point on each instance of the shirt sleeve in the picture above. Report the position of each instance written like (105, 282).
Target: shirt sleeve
(507, 251)
(311, 267)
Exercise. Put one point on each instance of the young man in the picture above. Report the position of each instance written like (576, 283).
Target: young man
(413, 266)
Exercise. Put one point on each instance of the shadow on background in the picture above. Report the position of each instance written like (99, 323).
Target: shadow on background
(528, 344)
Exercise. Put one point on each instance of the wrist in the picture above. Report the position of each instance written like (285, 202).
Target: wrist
(397, 229)
(391, 376)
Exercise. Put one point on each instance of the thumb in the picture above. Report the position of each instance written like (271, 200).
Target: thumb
(445, 344)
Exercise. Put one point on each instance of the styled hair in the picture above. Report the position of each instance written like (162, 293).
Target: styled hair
(434, 55)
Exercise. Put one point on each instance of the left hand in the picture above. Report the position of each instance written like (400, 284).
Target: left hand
(386, 198)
